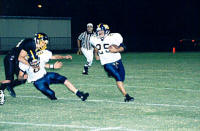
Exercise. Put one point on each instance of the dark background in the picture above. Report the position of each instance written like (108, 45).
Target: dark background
(146, 25)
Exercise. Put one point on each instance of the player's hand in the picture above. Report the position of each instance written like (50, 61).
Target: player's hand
(68, 57)
(97, 57)
(25, 76)
(113, 49)
(57, 65)
(79, 52)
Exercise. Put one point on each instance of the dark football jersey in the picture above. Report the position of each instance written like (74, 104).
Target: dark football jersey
(27, 44)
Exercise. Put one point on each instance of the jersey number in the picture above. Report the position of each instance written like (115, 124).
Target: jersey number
(19, 43)
(105, 47)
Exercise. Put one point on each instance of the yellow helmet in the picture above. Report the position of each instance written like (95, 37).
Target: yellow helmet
(104, 27)
(39, 37)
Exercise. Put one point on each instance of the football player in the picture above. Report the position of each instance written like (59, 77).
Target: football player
(85, 47)
(107, 48)
(11, 61)
(42, 79)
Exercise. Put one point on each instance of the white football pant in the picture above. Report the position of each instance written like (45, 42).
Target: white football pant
(88, 55)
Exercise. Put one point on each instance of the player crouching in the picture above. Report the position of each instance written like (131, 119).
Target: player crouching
(42, 79)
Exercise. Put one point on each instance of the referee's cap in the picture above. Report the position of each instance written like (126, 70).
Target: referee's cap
(89, 25)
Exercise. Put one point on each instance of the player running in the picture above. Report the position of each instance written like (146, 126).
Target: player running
(85, 47)
(107, 48)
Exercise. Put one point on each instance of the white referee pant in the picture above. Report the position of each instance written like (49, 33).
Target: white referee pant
(88, 55)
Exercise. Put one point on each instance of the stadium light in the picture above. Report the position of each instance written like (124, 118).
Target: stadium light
(39, 6)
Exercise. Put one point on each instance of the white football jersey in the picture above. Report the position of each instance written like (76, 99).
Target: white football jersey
(102, 45)
(44, 55)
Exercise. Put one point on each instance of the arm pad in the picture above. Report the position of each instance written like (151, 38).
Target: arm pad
(122, 45)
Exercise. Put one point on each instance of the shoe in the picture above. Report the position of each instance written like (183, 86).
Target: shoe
(11, 91)
(128, 98)
(54, 99)
(85, 73)
(85, 70)
(2, 97)
(84, 96)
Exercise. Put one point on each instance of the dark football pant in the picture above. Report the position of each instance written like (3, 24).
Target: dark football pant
(11, 65)
(50, 78)
(116, 70)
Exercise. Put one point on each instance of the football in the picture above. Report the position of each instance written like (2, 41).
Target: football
(115, 46)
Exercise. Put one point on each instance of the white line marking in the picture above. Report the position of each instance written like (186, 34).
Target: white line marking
(96, 85)
(116, 102)
(159, 76)
(114, 128)
(68, 126)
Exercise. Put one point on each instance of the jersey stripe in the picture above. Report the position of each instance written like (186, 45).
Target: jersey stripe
(85, 40)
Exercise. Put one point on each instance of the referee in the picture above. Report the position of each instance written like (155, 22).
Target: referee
(85, 47)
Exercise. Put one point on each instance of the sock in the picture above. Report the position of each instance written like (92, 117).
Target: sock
(127, 95)
(78, 93)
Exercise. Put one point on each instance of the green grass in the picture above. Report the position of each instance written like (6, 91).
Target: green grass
(166, 88)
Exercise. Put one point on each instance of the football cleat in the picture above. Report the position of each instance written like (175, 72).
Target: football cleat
(85, 70)
(83, 96)
(85, 73)
(128, 98)
(2, 97)
(11, 91)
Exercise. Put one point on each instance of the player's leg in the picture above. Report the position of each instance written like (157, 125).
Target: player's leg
(17, 82)
(80, 94)
(121, 71)
(43, 86)
(86, 66)
(113, 70)
(89, 57)
(9, 65)
(57, 78)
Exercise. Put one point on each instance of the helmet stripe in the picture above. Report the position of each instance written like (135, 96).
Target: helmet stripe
(32, 54)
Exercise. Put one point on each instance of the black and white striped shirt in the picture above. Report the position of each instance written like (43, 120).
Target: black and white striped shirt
(85, 40)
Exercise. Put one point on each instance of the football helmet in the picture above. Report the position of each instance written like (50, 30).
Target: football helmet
(33, 59)
(39, 37)
(104, 27)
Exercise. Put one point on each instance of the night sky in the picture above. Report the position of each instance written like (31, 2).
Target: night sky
(146, 25)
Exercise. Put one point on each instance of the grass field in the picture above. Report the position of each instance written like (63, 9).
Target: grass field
(166, 88)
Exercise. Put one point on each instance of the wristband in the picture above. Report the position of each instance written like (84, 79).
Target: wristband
(51, 66)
